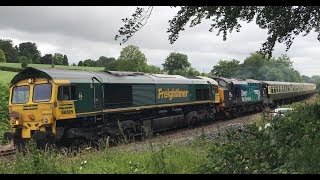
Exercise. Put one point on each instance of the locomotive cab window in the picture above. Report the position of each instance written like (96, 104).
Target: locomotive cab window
(67, 93)
(20, 94)
(42, 92)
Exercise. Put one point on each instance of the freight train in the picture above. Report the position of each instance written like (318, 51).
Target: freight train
(71, 106)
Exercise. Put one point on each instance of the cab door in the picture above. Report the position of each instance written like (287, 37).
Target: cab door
(98, 97)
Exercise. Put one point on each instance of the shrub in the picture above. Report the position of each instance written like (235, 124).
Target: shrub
(2, 57)
(289, 145)
(13, 69)
(4, 96)
(24, 63)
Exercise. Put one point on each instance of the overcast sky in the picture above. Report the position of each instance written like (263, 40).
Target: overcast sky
(88, 32)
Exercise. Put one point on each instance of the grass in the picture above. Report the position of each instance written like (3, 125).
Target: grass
(6, 76)
(171, 159)
(18, 65)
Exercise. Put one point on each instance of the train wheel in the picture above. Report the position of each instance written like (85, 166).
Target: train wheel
(192, 118)
(193, 122)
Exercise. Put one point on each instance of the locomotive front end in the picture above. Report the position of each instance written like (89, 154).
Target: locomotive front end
(31, 105)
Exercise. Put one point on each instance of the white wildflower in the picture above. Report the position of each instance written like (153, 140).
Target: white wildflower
(260, 128)
(80, 167)
(267, 125)
(85, 162)
(129, 162)
(246, 168)
(88, 148)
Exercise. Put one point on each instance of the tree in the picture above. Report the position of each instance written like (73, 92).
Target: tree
(112, 66)
(152, 69)
(29, 50)
(23, 58)
(74, 64)
(2, 57)
(283, 23)
(58, 59)
(306, 79)
(176, 61)
(315, 78)
(257, 66)
(103, 61)
(24, 61)
(37, 61)
(80, 63)
(47, 59)
(226, 68)
(132, 59)
(65, 60)
(89, 63)
(190, 71)
(10, 52)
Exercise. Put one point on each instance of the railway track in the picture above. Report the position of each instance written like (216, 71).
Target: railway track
(7, 150)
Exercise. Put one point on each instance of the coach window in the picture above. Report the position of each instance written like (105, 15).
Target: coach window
(67, 93)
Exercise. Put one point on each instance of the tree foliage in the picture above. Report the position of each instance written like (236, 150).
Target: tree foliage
(152, 69)
(47, 59)
(65, 60)
(80, 63)
(29, 50)
(24, 61)
(283, 23)
(58, 59)
(104, 61)
(89, 63)
(190, 71)
(2, 57)
(112, 66)
(10, 52)
(176, 61)
(132, 59)
(257, 66)
(306, 79)
(226, 68)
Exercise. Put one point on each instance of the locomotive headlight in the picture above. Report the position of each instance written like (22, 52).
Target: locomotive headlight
(30, 81)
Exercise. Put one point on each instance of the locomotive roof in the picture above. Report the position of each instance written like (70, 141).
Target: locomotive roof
(82, 76)
(239, 81)
(279, 83)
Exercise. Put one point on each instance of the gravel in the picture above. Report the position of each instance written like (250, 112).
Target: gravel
(186, 136)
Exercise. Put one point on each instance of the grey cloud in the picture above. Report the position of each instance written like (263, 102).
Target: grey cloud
(88, 32)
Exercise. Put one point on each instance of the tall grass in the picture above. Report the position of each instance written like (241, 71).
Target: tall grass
(289, 144)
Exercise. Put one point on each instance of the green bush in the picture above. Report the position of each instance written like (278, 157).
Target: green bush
(24, 64)
(290, 144)
(2, 56)
(13, 69)
(4, 96)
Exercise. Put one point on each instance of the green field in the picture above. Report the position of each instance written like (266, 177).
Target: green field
(18, 65)
(6, 76)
